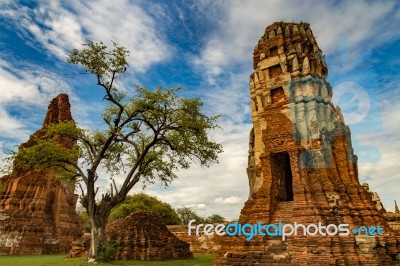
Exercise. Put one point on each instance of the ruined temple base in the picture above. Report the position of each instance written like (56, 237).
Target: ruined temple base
(359, 250)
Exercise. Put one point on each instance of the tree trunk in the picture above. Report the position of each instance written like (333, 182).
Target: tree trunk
(97, 235)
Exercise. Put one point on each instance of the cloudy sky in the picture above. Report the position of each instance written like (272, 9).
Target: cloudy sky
(206, 46)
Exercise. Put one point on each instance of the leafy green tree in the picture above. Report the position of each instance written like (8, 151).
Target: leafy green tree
(143, 202)
(215, 218)
(148, 135)
(186, 214)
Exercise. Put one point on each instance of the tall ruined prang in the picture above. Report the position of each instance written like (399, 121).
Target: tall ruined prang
(59, 110)
(301, 165)
(37, 211)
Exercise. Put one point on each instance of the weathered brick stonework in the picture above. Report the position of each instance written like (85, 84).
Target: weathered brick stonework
(301, 164)
(393, 218)
(202, 244)
(37, 211)
(143, 236)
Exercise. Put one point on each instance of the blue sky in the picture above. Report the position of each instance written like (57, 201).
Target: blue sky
(205, 46)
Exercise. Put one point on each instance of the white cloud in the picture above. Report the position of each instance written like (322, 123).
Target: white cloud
(2, 154)
(25, 93)
(28, 91)
(11, 126)
(230, 200)
(61, 26)
(196, 207)
(50, 25)
(384, 175)
(126, 23)
(230, 99)
(333, 23)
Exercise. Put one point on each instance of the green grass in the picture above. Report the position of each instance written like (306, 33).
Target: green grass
(47, 260)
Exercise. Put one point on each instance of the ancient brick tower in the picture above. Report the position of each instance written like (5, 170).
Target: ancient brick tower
(301, 164)
(37, 211)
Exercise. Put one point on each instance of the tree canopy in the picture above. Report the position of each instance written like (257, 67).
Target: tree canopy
(215, 218)
(143, 202)
(148, 136)
(186, 214)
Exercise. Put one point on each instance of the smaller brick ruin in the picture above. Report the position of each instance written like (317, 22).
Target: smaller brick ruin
(393, 219)
(202, 244)
(143, 236)
(37, 211)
